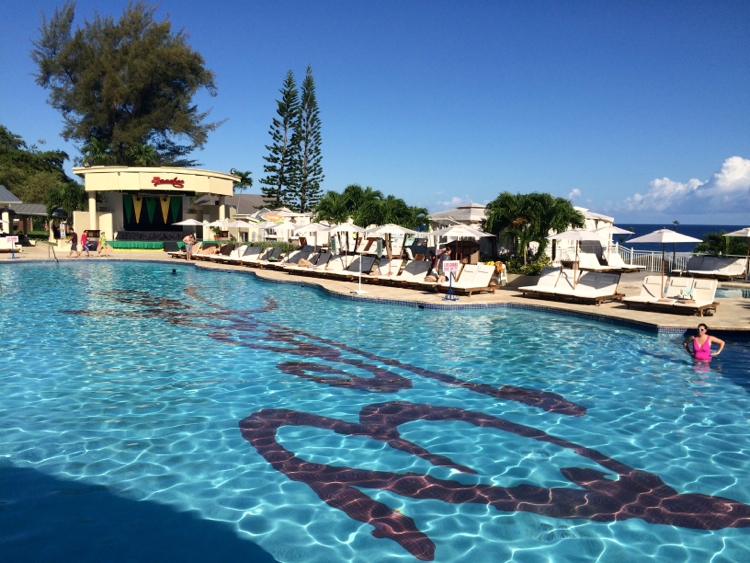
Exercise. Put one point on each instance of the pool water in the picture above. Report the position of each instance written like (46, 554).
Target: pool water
(209, 416)
(732, 293)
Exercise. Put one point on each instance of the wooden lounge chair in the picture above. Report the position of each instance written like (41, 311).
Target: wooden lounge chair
(320, 262)
(593, 287)
(252, 255)
(336, 265)
(720, 268)
(651, 291)
(271, 257)
(413, 274)
(353, 270)
(704, 294)
(615, 261)
(546, 283)
(385, 272)
(589, 261)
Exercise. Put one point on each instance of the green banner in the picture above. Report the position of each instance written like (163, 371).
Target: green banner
(127, 204)
(175, 203)
(150, 208)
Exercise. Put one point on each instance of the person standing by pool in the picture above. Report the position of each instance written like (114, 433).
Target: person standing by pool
(84, 245)
(189, 241)
(103, 245)
(702, 344)
(73, 243)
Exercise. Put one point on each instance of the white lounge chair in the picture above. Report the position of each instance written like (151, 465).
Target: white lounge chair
(252, 255)
(595, 287)
(589, 261)
(469, 283)
(386, 270)
(651, 291)
(364, 263)
(615, 261)
(320, 262)
(546, 283)
(704, 294)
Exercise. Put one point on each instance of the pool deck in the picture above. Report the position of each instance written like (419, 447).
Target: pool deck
(732, 315)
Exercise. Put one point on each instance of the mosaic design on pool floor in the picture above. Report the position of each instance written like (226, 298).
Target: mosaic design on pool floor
(622, 493)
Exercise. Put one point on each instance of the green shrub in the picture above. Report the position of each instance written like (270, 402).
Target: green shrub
(514, 264)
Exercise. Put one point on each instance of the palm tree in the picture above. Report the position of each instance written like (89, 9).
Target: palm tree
(332, 207)
(527, 218)
(418, 216)
(245, 180)
(715, 244)
(143, 155)
(69, 197)
(98, 153)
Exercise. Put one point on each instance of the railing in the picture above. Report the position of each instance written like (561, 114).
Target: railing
(51, 249)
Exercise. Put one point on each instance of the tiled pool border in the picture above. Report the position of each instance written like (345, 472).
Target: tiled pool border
(646, 327)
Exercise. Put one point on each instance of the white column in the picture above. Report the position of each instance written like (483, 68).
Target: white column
(206, 228)
(222, 209)
(93, 222)
(7, 225)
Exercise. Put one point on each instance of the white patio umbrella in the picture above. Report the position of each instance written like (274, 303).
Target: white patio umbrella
(612, 230)
(189, 223)
(459, 231)
(746, 234)
(270, 225)
(578, 235)
(664, 236)
(312, 228)
(350, 228)
(389, 230)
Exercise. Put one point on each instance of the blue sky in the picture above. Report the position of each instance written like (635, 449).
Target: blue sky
(635, 109)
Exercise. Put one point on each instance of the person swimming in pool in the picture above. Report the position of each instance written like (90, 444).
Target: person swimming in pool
(702, 344)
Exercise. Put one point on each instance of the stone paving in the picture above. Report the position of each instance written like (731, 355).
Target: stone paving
(732, 314)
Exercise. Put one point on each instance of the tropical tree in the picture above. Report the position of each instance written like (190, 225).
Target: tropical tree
(332, 208)
(143, 155)
(69, 197)
(245, 180)
(359, 200)
(715, 244)
(29, 172)
(125, 82)
(527, 218)
(284, 150)
(418, 217)
(308, 172)
(97, 153)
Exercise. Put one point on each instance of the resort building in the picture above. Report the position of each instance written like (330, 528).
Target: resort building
(144, 203)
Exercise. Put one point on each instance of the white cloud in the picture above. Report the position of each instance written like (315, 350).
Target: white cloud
(450, 204)
(575, 193)
(727, 191)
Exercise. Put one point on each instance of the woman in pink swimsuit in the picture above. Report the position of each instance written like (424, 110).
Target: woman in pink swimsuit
(702, 344)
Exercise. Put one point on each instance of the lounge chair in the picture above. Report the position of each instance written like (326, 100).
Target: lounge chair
(473, 279)
(271, 257)
(704, 293)
(545, 284)
(595, 287)
(336, 265)
(321, 261)
(651, 291)
(234, 257)
(413, 274)
(615, 261)
(716, 267)
(293, 258)
(252, 255)
(385, 272)
(693, 263)
(589, 261)
(295, 264)
(353, 271)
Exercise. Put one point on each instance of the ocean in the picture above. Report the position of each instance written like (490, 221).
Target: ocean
(697, 231)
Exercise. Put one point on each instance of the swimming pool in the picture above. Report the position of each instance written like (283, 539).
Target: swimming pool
(210, 416)
(732, 293)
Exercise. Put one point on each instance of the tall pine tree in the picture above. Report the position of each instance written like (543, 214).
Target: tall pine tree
(308, 172)
(278, 184)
